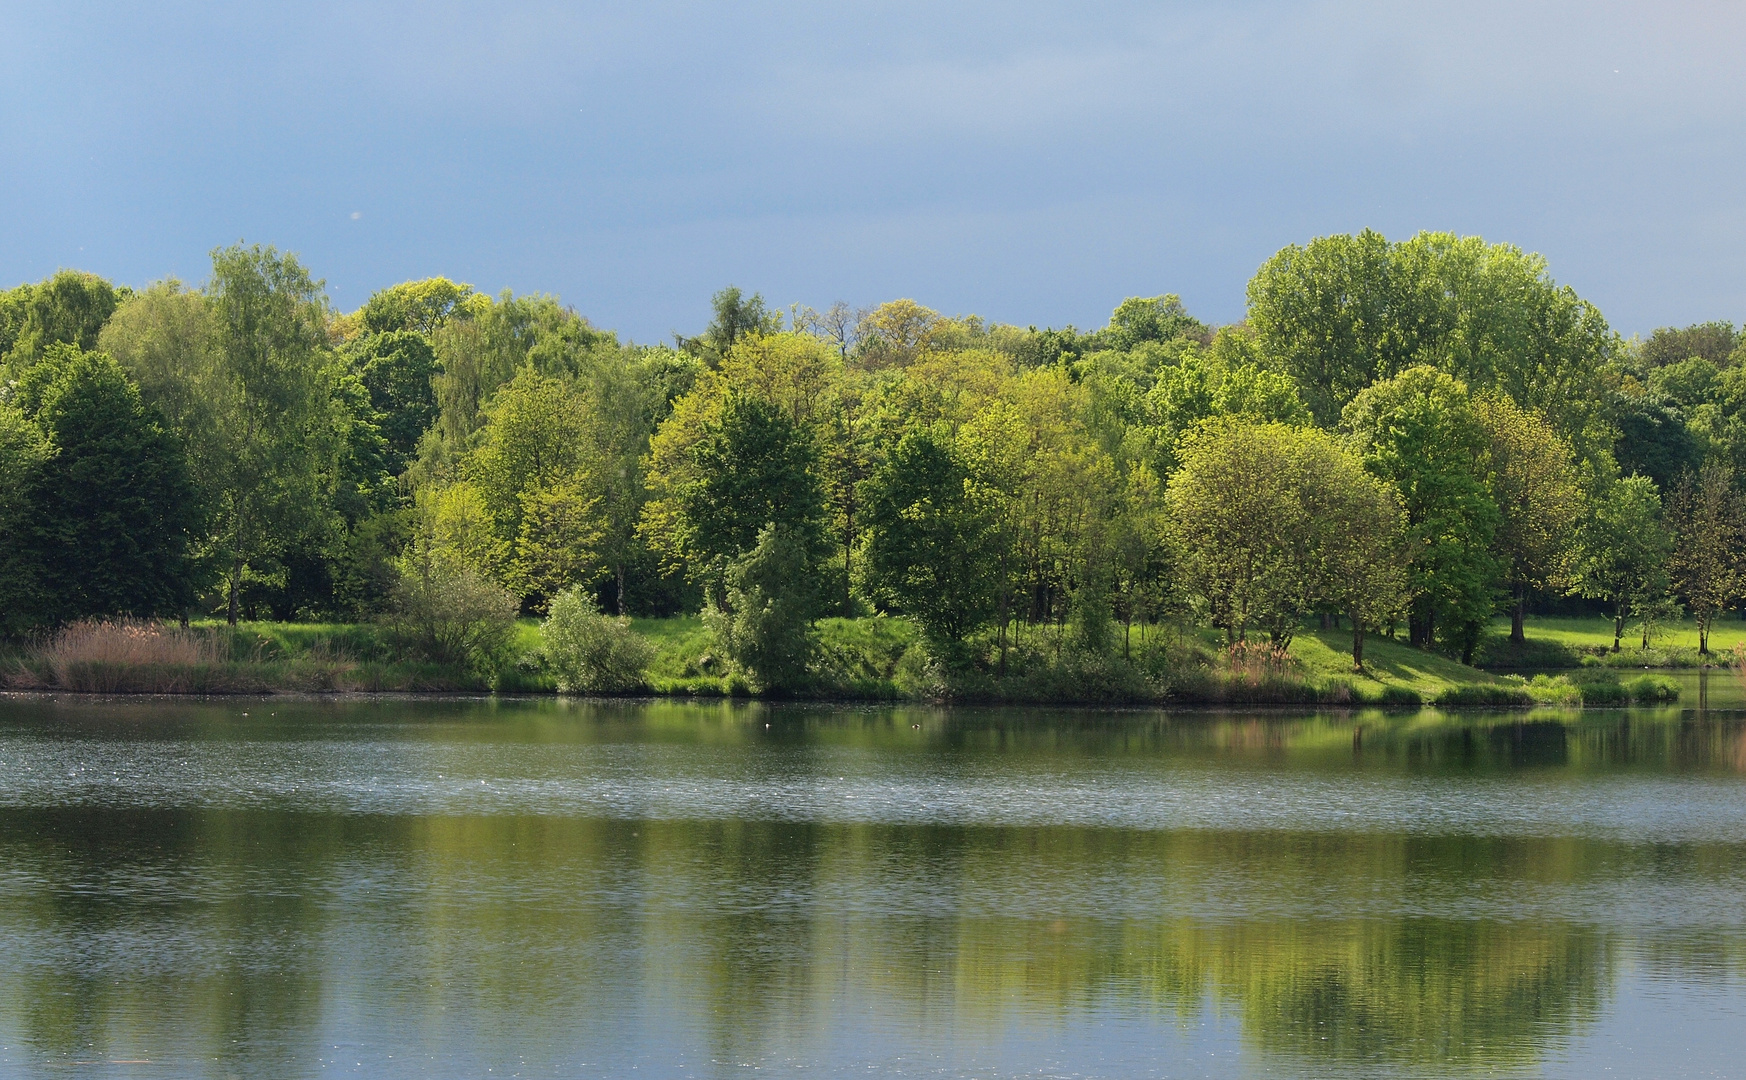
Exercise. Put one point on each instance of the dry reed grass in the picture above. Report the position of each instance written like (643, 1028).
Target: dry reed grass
(130, 656)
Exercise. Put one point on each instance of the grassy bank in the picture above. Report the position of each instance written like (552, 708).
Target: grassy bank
(863, 659)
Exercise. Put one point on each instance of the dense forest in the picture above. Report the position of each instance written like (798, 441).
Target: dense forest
(1404, 437)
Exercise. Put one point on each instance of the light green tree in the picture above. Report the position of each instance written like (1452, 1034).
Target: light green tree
(1623, 549)
(278, 426)
(1709, 529)
(1533, 480)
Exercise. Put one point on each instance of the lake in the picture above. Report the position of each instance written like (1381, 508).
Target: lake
(468, 888)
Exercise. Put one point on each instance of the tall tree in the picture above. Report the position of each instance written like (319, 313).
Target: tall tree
(1419, 431)
(1709, 528)
(1623, 550)
(1344, 311)
(272, 406)
(1533, 481)
(112, 511)
(930, 552)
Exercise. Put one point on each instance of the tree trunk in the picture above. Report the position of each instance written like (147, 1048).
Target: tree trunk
(1517, 611)
(619, 573)
(1357, 643)
(1619, 625)
(235, 586)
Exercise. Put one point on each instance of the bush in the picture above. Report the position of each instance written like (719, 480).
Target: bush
(446, 612)
(1652, 689)
(592, 652)
(766, 628)
(1642, 690)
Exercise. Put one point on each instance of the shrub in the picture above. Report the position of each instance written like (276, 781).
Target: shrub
(1647, 689)
(446, 612)
(1642, 690)
(766, 627)
(592, 652)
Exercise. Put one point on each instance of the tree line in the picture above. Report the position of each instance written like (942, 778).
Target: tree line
(1401, 436)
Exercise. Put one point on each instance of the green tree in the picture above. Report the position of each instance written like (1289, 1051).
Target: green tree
(765, 623)
(535, 470)
(1623, 550)
(1712, 341)
(1419, 431)
(1274, 522)
(736, 316)
(69, 308)
(112, 513)
(1345, 311)
(931, 552)
(751, 467)
(1709, 529)
(278, 425)
(1533, 481)
(1141, 320)
(22, 452)
(396, 367)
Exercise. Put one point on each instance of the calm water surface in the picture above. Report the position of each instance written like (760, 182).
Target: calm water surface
(472, 888)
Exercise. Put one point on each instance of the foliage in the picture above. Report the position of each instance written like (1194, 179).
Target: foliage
(765, 623)
(592, 652)
(1709, 528)
(1343, 312)
(1275, 522)
(1533, 480)
(1622, 551)
(449, 613)
(932, 550)
(103, 513)
(1419, 431)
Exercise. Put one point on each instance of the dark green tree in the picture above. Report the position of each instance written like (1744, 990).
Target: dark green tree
(113, 511)
(1419, 430)
(765, 623)
(736, 315)
(931, 550)
(753, 467)
(396, 367)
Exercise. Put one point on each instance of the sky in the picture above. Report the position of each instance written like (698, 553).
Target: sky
(1030, 163)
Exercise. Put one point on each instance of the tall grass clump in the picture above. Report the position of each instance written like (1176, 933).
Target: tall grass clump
(126, 656)
(590, 652)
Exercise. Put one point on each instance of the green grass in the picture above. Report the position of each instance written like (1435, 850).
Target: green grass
(1326, 654)
(1566, 642)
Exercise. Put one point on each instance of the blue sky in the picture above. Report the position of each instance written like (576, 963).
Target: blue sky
(1030, 163)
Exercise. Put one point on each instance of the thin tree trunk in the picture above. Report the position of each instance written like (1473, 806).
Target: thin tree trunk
(1619, 624)
(1517, 611)
(235, 586)
(1357, 643)
(619, 573)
